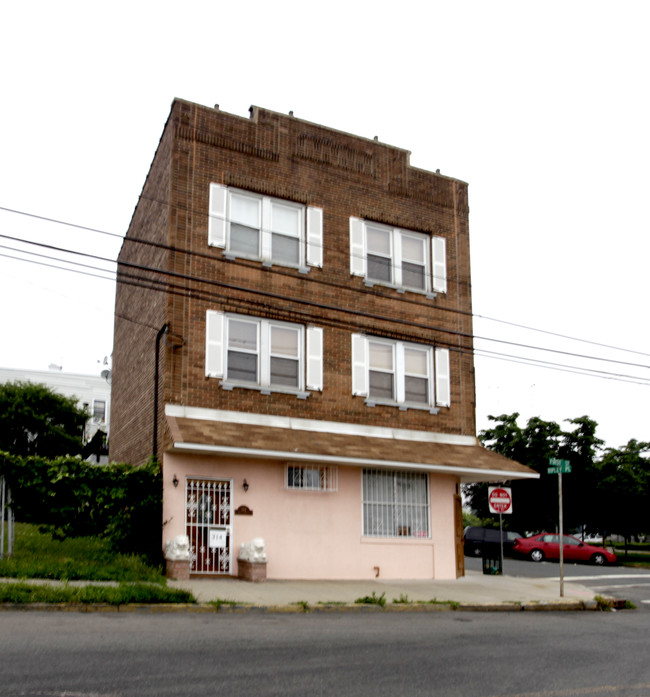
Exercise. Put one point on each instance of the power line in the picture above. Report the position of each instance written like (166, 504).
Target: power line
(275, 269)
(321, 306)
(208, 296)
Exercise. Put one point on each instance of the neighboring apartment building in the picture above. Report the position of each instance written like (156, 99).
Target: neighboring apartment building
(92, 392)
(293, 341)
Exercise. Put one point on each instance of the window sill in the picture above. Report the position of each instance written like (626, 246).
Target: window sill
(402, 407)
(266, 263)
(231, 385)
(392, 539)
(309, 490)
(430, 295)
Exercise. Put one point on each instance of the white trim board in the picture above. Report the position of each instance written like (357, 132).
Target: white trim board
(335, 427)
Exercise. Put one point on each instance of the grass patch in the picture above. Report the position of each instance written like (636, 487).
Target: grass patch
(402, 600)
(453, 604)
(609, 604)
(123, 594)
(38, 555)
(219, 602)
(373, 599)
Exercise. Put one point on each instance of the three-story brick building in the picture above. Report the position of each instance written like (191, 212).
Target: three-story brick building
(293, 341)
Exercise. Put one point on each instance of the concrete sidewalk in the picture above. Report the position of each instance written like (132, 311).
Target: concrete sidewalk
(473, 591)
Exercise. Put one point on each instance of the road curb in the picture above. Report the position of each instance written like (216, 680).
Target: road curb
(302, 608)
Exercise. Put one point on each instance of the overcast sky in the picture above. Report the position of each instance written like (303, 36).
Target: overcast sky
(542, 107)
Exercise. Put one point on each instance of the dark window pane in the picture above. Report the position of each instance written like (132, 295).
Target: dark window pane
(379, 269)
(244, 240)
(416, 389)
(284, 371)
(381, 385)
(285, 249)
(294, 477)
(413, 275)
(242, 366)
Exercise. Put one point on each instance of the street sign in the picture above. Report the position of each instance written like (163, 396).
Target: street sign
(558, 466)
(499, 499)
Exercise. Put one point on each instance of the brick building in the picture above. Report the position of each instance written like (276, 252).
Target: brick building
(293, 340)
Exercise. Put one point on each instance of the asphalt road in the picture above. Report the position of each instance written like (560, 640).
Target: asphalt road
(617, 581)
(445, 654)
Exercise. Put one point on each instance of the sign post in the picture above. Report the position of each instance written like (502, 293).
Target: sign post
(560, 467)
(500, 501)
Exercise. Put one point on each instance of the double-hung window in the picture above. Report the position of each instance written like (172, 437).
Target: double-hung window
(395, 503)
(273, 230)
(263, 354)
(400, 258)
(400, 374)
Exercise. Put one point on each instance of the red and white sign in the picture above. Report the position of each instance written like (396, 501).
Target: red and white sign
(499, 499)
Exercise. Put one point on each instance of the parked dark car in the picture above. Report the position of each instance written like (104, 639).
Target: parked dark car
(547, 546)
(476, 538)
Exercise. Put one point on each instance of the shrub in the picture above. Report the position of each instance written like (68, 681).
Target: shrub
(70, 497)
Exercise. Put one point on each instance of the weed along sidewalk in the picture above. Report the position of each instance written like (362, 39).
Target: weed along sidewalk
(41, 591)
(84, 573)
(473, 591)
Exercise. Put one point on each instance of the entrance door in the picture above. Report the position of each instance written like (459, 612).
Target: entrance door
(207, 521)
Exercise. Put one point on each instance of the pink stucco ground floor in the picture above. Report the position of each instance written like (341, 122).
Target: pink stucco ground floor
(329, 500)
(308, 533)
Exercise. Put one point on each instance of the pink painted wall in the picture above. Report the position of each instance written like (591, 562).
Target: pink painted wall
(314, 535)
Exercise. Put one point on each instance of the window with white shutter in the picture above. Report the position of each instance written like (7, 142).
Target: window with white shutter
(402, 259)
(259, 227)
(397, 373)
(263, 354)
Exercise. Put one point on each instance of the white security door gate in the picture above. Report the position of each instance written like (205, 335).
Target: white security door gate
(207, 520)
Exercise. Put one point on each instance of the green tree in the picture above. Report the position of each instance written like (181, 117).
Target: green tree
(623, 498)
(535, 502)
(580, 488)
(35, 420)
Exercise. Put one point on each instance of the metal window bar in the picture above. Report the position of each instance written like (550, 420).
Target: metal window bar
(395, 504)
(311, 477)
(208, 525)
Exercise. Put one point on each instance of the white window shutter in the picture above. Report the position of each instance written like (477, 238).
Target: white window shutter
(400, 367)
(357, 247)
(315, 358)
(439, 264)
(214, 343)
(315, 236)
(217, 217)
(443, 378)
(359, 365)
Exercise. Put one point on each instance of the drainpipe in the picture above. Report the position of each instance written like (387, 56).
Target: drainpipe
(161, 332)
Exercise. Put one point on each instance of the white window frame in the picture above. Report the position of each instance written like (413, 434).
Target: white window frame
(310, 233)
(388, 511)
(310, 354)
(438, 374)
(323, 478)
(99, 419)
(435, 262)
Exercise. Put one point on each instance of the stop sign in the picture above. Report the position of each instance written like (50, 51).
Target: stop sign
(499, 499)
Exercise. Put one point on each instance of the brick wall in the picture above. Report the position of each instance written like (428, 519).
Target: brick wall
(278, 155)
(139, 314)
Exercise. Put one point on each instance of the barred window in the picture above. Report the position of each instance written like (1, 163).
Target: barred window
(311, 477)
(395, 504)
